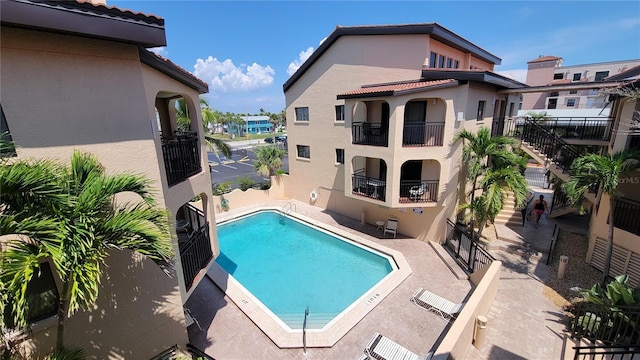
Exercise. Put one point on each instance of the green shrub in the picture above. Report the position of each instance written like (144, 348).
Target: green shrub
(245, 183)
(265, 185)
(221, 188)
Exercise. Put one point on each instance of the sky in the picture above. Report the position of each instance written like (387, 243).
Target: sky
(246, 50)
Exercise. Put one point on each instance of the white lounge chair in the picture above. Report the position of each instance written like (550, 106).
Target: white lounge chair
(439, 305)
(417, 191)
(391, 227)
(383, 348)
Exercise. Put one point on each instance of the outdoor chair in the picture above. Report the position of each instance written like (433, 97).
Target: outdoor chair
(439, 305)
(417, 191)
(391, 227)
(383, 348)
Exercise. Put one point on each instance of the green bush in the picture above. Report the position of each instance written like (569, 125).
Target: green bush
(265, 185)
(221, 188)
(245, 183)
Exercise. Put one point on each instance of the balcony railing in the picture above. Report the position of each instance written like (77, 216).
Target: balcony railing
(417, 191)
(195, 245)
(619, 325)
(369, 187)
(423, 134)
(626, 215)
(181, 155)
(370, 134)
(575, 128)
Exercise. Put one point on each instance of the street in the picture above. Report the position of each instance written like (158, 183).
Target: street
(239, 165)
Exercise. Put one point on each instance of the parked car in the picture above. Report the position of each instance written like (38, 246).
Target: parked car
(281, 138)
(268, 140)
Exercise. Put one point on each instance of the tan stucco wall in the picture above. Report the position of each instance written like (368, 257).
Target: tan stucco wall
(61, 93)
(238, 199)
(600, 229)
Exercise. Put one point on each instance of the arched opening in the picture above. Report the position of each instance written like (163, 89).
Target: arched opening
(370, 124)
(369, 178)
(424, 122)
(419, 181)
(194, 244)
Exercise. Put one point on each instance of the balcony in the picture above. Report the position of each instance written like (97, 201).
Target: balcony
(372, 188)
(194, 243)
(416, 191)
(181, 154)
(566, 128)
(423, 134)
(364, 133)
(626, 215)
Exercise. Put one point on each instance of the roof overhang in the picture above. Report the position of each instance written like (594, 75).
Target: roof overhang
(434, 30)
(482, 76)
(172, 70)
(396, 89)
(563, 87)
(84, 19)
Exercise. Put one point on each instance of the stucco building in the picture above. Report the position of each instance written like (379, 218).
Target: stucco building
(371, 116)
(77, 75)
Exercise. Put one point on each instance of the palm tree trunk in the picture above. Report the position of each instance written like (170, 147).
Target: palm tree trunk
(607, 258)
(63, 310)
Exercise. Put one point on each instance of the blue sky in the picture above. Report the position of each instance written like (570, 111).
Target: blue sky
(246, 50)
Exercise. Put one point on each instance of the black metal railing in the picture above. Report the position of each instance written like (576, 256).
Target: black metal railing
(195, 251)
(416, 191)
(197, 353)
(554, 241)
(370, 134)
(423, 134)
(618, 325)
(560, 199)
(540, 138)
(626, 215)
(370, 187)
(467, 252)
(605, 352)
(581, 128)
(181, 155)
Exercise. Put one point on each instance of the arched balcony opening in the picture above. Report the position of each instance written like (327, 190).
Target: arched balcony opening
(192, 230)
(370, 124)
(424, 122)
(419, 181)
(369, 178)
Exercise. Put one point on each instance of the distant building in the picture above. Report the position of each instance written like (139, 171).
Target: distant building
(565, 98)
(256, 125)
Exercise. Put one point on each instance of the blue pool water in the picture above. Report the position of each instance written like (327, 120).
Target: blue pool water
(289, 265)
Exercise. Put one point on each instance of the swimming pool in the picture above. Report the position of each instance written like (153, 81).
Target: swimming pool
(289, 265)
(246, 281)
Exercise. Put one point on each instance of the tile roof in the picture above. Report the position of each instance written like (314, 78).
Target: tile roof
(105, 9)
(173, 70)
(544, 58)
(396, 88)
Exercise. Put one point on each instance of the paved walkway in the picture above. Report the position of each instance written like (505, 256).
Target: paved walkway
(522, 323)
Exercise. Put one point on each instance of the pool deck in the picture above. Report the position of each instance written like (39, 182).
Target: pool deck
(229, 334)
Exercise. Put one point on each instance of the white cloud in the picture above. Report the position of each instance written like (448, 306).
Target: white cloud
(515, 74)
(225, 76)
(162, 51)
(302, 57)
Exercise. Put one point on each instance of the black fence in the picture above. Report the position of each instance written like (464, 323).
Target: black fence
(181, 155)
(570, 128)
(626, 215)
(423, 134)
(554, 241)
(369, 134)
(604, 352)
(560, 199)
(369, 187)
(418, 191)
(615, 326)
(467, 252)
(195, 251)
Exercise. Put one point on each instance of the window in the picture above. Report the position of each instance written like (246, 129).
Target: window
(481, 105)
(339, 112)
(449, 60)
(456, 63)
(303, 151)
(42, 296)
(553, 103)
(441, 61)
(558, 76)
(571, 102)
(573, 92)
(302, 114)
(577, 76)
(600, 75)
(511, 108)
(340, 156)
(432, 60)
(554, 94)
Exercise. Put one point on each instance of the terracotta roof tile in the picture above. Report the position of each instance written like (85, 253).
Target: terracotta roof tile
(105, 9)
(178, 67)
(397, 87)
(544, 58)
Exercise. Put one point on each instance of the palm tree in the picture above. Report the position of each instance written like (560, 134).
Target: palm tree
(268, 160)
(482, 151)
(209, 116)
(69, 215)
(593, 171)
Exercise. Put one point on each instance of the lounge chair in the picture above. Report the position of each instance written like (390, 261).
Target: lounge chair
(439, 305)
(391, 227)
(416, 192)
(383, 348)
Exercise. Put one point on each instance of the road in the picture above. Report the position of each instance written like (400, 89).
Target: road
(240, 164)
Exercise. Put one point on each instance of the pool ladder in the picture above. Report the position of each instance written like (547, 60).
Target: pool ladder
(288, 207)
(304, 331)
